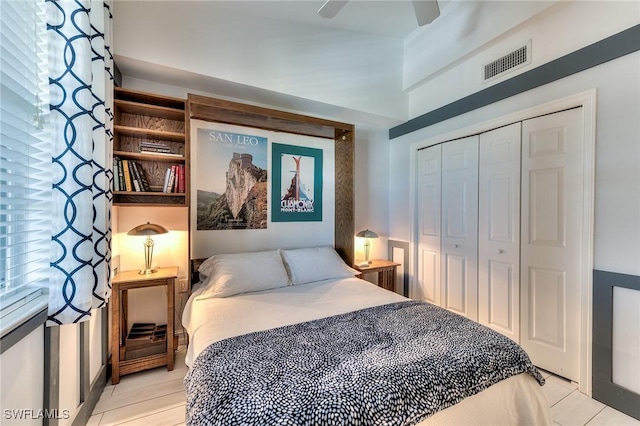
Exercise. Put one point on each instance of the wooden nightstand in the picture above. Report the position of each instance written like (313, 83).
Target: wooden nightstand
(386, 272)
(143, 356)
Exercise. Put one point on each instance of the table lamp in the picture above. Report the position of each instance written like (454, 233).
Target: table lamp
(148, 229)
(366, 234)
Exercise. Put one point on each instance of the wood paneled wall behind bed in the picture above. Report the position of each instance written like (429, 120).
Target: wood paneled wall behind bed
(343, 135)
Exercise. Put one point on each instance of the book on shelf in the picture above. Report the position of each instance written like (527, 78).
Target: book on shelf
(181, 179)
(135, 177)
(154, 149)
(127, 176)
(149, 144)
(172, 178)
(167, 176)
(157, 148)
(168, 154)
(116, 176)
(121, 183)
(176, 182)
(174, 186)
(143, 179)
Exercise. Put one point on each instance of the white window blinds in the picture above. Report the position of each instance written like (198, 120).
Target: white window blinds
(25, 161)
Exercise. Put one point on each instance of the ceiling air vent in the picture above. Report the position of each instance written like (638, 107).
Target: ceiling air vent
(509, 62)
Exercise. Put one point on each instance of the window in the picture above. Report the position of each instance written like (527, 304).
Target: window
(25, 162)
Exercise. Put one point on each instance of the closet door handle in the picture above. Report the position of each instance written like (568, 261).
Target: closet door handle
(455, 246)
(500, 251)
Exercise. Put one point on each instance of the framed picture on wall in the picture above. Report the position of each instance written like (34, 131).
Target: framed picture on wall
(296, 188)
(231, 179)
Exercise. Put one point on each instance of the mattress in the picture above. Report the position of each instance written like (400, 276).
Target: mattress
(516, 400)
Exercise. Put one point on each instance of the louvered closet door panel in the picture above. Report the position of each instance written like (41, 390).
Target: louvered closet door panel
(429, 205)
(459, 241)
(499, 231)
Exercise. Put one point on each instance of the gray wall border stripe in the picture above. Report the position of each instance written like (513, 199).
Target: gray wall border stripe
(51, 397)
(403, 245)
(86, 408)
(604, 390)
(610, 48)
(22, 331)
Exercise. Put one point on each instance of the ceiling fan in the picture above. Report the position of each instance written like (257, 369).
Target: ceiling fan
(426, 10)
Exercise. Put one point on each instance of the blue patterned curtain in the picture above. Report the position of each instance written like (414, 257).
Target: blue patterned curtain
(81, 88)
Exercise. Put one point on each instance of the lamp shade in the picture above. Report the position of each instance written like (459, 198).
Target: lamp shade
(367, 234)
(148, 229)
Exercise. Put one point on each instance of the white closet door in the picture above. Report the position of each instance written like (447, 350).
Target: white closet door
(429, 203)
(552, 193)
(459, 242)
(499, 231)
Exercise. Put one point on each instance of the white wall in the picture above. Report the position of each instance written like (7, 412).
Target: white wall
(95, 343)
(69, 395)
(169, 250)
(464, 27)
(553, 33)
(336, 67)
(617, 163)
(625, 339)
(22, 373)
(617, 181)
(69, 365)
(22, 379)
(371, 177)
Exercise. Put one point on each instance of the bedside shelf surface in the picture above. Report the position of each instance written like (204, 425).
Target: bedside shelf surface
(134, 276)
(386, 271)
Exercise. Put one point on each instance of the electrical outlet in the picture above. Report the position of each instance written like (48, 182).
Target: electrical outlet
(115, 265)
(184, 285)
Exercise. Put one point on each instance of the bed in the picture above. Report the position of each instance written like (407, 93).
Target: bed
(292, 337)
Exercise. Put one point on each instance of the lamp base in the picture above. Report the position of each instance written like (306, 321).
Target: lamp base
(147, 271)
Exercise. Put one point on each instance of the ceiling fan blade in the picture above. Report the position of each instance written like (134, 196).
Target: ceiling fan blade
(331, 8)
(426, 11)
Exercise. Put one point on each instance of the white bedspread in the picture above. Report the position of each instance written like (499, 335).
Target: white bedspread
(517, 400)
(213, 319)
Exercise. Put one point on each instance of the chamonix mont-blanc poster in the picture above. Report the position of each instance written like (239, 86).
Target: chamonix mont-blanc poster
(231, 180)
(297, 183)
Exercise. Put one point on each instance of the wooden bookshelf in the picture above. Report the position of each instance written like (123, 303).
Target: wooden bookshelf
(141, 118)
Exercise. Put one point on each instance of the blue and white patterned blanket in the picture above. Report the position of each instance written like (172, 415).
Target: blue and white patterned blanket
(394, 364)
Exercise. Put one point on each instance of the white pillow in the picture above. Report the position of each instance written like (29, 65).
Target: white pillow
(307, 265)
(206, 269)
(230, 274)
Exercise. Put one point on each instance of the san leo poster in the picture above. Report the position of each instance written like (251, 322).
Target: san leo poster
(231, 180)
(296, 189)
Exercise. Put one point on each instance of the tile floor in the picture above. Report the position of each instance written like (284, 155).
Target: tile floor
(157, 398)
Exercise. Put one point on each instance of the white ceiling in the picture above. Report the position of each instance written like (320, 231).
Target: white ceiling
(391, 18)
(249, 23)
(317, 68)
